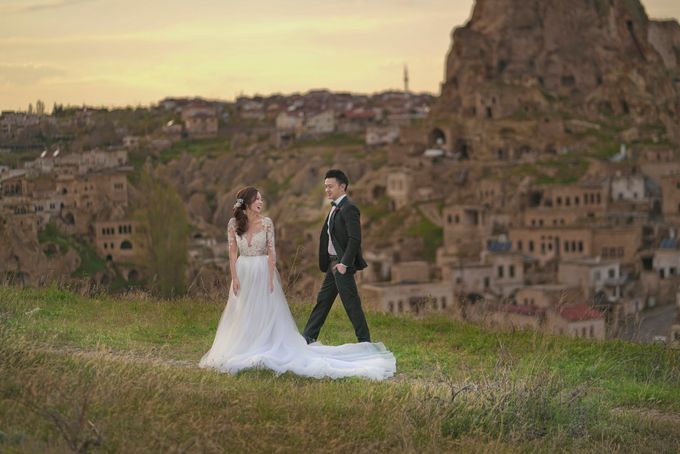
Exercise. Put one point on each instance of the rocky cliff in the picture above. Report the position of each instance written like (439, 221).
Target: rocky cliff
(600, 60)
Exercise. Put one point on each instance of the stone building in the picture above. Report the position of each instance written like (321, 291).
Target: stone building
(576, 320)
(407, 297)
(617, 243)
(670, 200)
(123, 243)
(493, 193)
(468, 277)
(319, 123)
(666, 260)
(633, 188)
(289, 126)
(597, 278)
(400, 187)
(465, 228)
(549, 243)
(410, 291)
(200, 120)
(507, 268)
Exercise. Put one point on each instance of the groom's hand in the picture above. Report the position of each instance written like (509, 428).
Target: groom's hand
(342, 269)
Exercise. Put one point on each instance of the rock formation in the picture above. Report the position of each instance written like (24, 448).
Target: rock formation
(520, 71)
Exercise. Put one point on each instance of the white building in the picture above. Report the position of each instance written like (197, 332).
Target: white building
(666, 260)
(593, 275)
(321, 123)
(632, 188)
(382, 135)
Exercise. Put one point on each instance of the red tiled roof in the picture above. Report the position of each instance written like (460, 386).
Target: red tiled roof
(359, 114)
(578, 312)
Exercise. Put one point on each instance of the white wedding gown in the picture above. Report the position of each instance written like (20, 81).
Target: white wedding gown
(257, 330)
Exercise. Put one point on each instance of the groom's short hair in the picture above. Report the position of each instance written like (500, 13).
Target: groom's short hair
(338, 175)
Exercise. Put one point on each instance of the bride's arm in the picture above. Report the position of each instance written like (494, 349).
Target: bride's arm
(271, 251)
(233, 253)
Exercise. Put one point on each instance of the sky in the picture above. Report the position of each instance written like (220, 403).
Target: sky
(136, 52)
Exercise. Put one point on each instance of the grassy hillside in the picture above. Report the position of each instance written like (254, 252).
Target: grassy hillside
(118, 375)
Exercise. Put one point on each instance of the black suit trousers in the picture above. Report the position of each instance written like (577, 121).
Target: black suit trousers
(343, 284)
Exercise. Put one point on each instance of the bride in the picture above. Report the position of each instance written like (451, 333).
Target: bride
(257, 330)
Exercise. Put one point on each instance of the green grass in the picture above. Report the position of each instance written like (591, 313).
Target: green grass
(459, 386)
(377, 210)
(90, 262)
(432, 235)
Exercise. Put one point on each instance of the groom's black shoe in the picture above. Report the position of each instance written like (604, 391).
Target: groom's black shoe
(309, 340)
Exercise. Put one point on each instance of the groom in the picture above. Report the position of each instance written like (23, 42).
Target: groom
(339, 257)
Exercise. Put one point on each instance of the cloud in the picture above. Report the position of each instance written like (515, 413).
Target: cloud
(17, 7)
(28, 74)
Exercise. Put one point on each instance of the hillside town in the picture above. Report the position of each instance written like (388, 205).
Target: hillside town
(540, 189)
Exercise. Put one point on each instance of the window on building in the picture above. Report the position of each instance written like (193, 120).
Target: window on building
(577, 201)
(531, 246)
(519, 245)
(605, 252)
(511, 270)
(559, 201)
(401, 306)
(612, 273)
(580, 246)
(500, 271)
(592, 331)
(390, 306)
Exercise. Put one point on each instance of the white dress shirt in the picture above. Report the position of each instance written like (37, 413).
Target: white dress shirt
(331, 248)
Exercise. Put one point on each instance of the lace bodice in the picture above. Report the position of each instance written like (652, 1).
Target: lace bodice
(259, 242)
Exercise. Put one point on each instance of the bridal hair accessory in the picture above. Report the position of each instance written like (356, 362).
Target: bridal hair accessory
(239, 203)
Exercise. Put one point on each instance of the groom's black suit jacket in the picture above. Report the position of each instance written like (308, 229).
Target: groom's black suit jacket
(346, 233)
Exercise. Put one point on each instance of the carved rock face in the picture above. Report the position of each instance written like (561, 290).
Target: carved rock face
(600, 57)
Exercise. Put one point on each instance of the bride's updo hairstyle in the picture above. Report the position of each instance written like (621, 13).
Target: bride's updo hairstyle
(244, 198)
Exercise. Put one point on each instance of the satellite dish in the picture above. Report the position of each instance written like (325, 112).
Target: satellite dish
(56, 152)
(42, 155)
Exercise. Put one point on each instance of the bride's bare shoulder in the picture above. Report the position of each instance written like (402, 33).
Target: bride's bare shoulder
(232, 222)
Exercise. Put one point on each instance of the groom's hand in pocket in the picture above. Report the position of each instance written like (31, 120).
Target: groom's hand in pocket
(340, 268)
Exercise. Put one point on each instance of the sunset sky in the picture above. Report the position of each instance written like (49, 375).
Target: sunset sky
(125, 52)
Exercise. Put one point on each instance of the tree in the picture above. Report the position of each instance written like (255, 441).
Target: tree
(165, 231)
(39, 108)
(30, 109)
